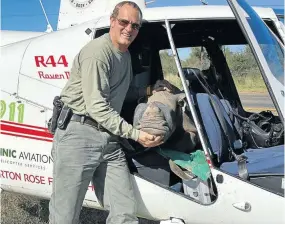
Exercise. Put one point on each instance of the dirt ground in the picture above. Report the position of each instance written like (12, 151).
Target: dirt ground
(18, 208)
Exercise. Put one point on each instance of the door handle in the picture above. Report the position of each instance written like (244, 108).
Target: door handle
(243, 206)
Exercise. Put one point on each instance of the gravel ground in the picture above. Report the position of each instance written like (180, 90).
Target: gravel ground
(18, 208)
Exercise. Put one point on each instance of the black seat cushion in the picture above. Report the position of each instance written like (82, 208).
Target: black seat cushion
(153, 166)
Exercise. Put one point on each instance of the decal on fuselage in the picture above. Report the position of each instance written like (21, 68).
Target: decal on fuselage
(51, 62)
(25, 131)
(13, 111)
(25, 159)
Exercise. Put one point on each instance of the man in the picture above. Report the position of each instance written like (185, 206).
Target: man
(88, 148)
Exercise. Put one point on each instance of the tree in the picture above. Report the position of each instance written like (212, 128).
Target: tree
(241, 63)
(168, 63)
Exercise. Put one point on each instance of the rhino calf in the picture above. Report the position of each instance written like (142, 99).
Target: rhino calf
(162, 114)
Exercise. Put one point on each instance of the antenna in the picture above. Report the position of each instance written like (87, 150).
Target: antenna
(49, 27)
(146, 3)
(203, 2)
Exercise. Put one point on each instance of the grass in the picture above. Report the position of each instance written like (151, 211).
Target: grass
(257, 110)
(249, 84)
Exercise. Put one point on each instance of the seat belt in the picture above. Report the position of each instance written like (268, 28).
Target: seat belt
(241, 159)
(231, 113)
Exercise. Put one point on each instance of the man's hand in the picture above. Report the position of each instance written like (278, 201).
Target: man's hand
(149, 140)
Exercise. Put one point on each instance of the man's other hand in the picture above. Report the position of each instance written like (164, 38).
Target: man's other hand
(149, 140)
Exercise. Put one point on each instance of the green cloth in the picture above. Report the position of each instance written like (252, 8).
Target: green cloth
(195, 162)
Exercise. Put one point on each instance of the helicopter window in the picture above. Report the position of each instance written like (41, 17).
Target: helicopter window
(100, 32)
(191, 57)
(247, 78)
(273, 28)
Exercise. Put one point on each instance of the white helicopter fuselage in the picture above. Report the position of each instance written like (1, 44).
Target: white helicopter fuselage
(35, 70)
(9, 36)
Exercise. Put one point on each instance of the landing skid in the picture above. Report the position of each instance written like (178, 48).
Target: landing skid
(173, 221)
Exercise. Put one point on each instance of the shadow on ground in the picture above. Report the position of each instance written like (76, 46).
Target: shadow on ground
(18, 208)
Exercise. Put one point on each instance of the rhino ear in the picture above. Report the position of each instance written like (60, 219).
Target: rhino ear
(181, 97)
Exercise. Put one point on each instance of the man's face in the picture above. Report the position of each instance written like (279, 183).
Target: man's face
(125, 27)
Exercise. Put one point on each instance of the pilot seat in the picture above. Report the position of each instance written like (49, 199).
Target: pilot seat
(264, 166)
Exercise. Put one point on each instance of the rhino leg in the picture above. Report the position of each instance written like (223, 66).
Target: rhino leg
(187, 124)
(190, 138)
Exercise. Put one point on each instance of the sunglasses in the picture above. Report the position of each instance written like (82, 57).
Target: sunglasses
(125, 23)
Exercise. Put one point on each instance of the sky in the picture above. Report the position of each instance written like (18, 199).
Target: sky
(27, 15)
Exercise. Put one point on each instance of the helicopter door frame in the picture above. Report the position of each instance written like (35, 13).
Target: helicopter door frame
(276, 93)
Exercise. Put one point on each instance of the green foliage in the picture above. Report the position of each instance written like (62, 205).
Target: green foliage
(250, 84)
(174, 79)
(168, 63)
(197, 59)
(242, 65)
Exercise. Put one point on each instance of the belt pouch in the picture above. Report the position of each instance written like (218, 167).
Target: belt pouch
(64, 117)
(57, 107)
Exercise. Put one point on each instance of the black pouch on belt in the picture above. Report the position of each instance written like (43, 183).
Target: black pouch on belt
(57, 107)
(64, 117)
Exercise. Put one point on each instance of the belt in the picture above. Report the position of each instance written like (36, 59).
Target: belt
(87, 120)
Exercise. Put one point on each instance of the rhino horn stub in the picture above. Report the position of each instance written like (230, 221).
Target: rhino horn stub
(153, 109)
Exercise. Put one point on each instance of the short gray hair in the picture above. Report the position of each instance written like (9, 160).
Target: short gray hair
(115, 12)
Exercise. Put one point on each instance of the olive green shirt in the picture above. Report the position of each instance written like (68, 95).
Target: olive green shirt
(99, 80)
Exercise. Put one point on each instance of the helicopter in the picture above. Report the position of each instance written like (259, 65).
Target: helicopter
(34, 70)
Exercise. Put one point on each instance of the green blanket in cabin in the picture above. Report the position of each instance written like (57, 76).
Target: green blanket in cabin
(194, 162)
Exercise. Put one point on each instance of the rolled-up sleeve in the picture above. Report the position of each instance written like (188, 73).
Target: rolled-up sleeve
(96, 93)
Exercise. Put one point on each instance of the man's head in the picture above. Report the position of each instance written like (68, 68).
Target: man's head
(125, 23)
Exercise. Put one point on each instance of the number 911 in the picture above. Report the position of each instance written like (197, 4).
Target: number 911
(11, 110)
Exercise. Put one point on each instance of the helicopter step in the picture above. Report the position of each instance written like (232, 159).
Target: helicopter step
(173, 220)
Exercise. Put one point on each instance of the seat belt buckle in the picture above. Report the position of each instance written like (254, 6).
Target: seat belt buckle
(238, 144)
(242, 169)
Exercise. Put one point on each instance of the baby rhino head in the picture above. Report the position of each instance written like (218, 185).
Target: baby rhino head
(153, 121)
